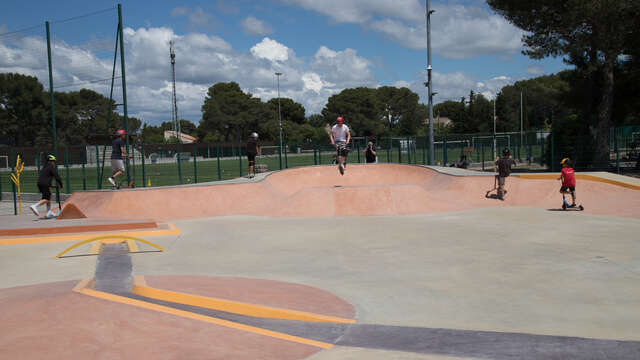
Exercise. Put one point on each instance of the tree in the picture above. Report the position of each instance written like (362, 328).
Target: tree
(361, 109)
(229, 112)
(289, 109)
(590, 34)
(401, 109)
(22, 109)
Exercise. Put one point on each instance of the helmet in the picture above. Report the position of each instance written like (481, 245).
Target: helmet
(51, 158)
(564, 161)
(340, 120)
(505, 152)
(254, 135)
(120, 132)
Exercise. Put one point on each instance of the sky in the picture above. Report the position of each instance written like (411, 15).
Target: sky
(320, 46)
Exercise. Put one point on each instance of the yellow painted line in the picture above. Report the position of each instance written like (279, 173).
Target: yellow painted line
(84, 284)
(581, 177)
(139, 280)
(198, 317)
(95, 248)
(62, 238)
(120, 239)
(133, 247)
(235, 307)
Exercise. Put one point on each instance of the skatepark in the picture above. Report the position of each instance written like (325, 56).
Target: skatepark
(385, 262)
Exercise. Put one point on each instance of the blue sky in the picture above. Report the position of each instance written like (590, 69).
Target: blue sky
(321, 47)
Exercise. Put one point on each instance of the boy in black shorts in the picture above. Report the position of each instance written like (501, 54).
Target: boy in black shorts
(48, 173)
(504, 165)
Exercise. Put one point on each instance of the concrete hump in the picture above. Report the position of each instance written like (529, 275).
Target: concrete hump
(71, 211)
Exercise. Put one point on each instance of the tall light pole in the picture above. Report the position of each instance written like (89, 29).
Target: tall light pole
(279, 116)
(494, 126)
(428, 83)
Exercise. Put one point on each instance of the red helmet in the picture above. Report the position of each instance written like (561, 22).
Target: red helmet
(340, 120)
(120, 132)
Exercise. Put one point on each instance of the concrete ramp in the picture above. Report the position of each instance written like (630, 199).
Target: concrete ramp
(364, 190)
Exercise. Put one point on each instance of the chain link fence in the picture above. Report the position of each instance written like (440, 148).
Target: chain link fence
(88, 167)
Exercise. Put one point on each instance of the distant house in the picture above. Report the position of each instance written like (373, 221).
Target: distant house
(184, 138)
(443, 121)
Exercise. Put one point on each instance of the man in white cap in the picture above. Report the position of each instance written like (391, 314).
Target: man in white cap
(340, 137)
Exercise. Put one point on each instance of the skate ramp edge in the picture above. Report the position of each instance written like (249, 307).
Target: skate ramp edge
(71, 211)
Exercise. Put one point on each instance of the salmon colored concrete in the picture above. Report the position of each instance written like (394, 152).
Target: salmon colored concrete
(53, 322)
(364, 190)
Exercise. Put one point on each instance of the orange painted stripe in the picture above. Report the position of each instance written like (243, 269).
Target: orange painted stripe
(208, 319)
(78, 229)
(581, 177)
(235, 307)
(62, 238)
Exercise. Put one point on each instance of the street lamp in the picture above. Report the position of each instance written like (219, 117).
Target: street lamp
(279, 116)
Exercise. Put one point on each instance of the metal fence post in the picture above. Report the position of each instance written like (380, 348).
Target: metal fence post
(553, 161)
(144, 174)
(482, 145)
(358, 150)
(286, 159)
(38, 161)
(616, 149)
(66, 165)
(240, 158)
(84, 174)
(179, 164)
(0, 186)
(389, 151)
(315, 155)
(98, 185)
(218, 156)
(444, 151)
(195, 163)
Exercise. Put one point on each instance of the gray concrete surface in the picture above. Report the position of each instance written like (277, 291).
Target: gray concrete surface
(504, 270)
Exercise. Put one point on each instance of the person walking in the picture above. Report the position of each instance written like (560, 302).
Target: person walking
(117, 153)
(47, 174)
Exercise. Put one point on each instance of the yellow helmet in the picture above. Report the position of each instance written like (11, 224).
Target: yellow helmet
(563, 161)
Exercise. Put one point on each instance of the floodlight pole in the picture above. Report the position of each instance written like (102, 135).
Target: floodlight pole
(124, 86)
(53, 111)
(279, 116)
(429, 83)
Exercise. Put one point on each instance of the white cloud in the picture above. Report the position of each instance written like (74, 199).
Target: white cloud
(201, 61)
(270, 50)
(358, 11)
(254, 26)
(312, 81)
(197, 17)
(455, 85)
(535, 70)
(458, 31)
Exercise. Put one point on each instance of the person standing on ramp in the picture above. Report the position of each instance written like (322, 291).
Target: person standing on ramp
(504, 165)
(117, 152)
(340, 137)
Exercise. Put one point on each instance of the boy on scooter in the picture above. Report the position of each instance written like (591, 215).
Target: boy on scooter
(567, 175)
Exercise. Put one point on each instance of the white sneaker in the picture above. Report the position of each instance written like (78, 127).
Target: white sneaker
(34, 208)
(112, 181)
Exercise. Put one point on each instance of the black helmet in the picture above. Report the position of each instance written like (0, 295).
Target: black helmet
(505, 152)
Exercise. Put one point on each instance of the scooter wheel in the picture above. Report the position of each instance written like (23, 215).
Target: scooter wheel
(564, 206)
(581, 207)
